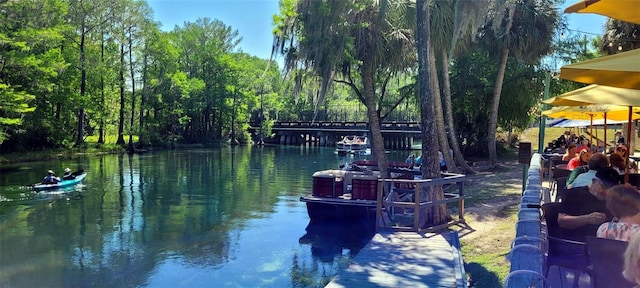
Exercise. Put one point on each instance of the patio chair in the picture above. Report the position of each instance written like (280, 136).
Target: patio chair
(634, 179)
(562, 252)
(561, 190)
(607, 258)
(558, 172)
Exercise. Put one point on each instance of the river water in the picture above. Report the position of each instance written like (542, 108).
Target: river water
(215, 217)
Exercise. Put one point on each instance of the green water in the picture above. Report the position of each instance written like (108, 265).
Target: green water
(219, 217)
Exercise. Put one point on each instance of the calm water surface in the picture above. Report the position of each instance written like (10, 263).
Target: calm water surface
(219, 217)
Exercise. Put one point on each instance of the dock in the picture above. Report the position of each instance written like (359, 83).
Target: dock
(406, 259)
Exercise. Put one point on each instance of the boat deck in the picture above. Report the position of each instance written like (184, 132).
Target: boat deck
(406, 259)
(342, 200)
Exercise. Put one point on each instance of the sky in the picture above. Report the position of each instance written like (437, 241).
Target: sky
(254, 19)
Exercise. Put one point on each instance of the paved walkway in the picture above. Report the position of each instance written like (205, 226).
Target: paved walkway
(406, 259)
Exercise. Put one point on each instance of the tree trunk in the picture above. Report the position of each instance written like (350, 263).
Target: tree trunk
(133, 94)
(234, 141)
(495, 103)
(448, 109)
(442, 137)
(102, 98)
(83, 85)
(430, 164)
(120, 140)
(377, 142)
(145, 90)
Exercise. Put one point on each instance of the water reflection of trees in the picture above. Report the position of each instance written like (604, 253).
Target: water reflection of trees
(141, 213)
(332, 245)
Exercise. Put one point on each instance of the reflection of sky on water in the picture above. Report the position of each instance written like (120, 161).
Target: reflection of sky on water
(261, 250)
(173, 219)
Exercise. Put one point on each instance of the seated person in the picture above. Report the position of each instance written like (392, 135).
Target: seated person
(443, 164)
(561, 149)
(622, 151)
(617, 163)
(411, 160)
(67, 175)
(624, 203)
(596, 162)
(419, 161)
(583, 209)
(50, 178)
(600, 147)
(574, 174)
(570, 152)
(620, 138)
(77, 172)
(631, 270)
(584, 153)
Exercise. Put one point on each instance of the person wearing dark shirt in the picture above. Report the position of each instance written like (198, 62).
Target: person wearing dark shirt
(583, 209)
(68, 175)
(621, 139)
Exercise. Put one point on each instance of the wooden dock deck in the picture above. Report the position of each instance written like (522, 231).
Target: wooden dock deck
(406, 259)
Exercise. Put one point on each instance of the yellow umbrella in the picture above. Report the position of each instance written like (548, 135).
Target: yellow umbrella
(602, 95)
(559, 101)
(610, 95)
(624, 10)
(597, 94)
(592, 112)
(620, 70)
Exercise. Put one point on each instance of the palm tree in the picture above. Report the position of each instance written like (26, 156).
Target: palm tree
(346, 41)
(524, 29)
(620, 36)
(450, 22)
(426, 62)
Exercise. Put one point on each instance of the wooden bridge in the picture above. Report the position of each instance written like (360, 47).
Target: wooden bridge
(397, 134)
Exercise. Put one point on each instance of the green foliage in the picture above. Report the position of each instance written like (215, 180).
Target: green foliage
(111, 61)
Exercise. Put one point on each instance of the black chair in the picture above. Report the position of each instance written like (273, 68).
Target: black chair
(562, 190)
(561, 252)
(608, 262)
(634, 179)
(558, 173)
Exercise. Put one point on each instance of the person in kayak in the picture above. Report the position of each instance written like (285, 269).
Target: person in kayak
(68, 175)
(50, 178)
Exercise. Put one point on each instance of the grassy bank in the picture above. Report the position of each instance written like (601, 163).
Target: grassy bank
(550, 134)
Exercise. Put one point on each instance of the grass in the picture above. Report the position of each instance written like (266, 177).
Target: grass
(552, 133)
(486, 264)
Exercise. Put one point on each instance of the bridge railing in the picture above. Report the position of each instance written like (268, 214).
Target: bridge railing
(394, 125)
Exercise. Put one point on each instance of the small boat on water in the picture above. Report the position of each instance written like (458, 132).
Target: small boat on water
(341, 195)
(352, 144)
(61, 184)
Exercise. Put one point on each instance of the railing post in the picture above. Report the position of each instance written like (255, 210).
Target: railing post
(417, 212)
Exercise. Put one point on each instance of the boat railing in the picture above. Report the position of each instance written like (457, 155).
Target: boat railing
(408, 202)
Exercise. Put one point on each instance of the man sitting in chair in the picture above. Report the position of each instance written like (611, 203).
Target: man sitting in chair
(596, 162)
(583, 210)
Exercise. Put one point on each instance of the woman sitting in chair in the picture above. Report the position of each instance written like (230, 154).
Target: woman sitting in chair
(623, 201)
(632, 260)
(581, 159)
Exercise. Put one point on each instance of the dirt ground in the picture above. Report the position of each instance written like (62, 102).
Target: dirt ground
(486, 215)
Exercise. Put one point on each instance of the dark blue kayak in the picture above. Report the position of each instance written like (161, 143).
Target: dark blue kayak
(63, 183)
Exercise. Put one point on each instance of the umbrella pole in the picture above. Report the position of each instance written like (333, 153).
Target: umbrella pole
(591, 130)
(604, 137)
(626, 169)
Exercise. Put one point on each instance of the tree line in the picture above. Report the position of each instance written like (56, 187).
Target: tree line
(76, 68)
(70, 69)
